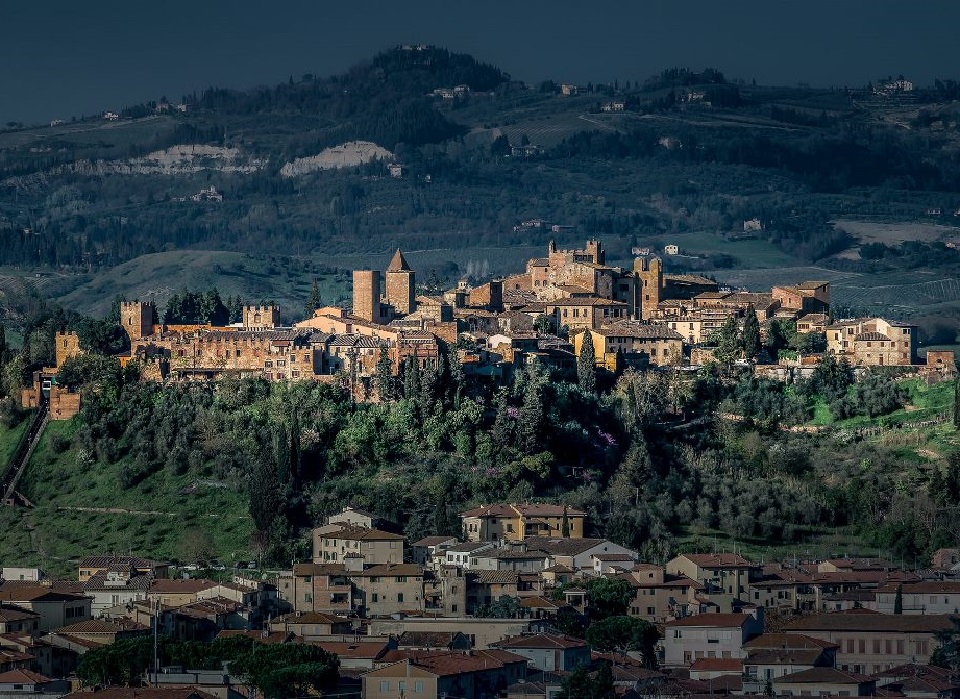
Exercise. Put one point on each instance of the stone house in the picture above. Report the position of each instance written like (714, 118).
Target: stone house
(91, 565)
(632, 343)
(312, 625)
(382, 590)
(431, 549)
(659, 596)
(724, 573)
(873, 342)
(333, 543)
(322, 588)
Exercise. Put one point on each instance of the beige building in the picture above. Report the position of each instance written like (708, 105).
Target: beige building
(518, 522)
(708, 636)
(658, 596)
(56, 609)
(633, 343)
(721, 573)
(339, 543)
(323, 588)
(873, 342)
(383, 590)
(824, 682)
(871, 643)
(444, 673)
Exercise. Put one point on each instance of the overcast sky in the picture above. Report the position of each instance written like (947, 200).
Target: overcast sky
(62, 58)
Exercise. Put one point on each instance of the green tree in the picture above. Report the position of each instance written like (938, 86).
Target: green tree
(956, 403)
(751, 333)
(314, 302)
(947, 654)
(728, 343)
(607, 597)
(623, 633)
(586, 364)
(898, 601)
(565, 526)
(383, 379)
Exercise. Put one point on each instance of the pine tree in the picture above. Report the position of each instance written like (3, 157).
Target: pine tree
(751, 333)
(313, 303)
(586, 361)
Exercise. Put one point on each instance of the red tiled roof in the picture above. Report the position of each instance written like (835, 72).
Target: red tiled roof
(718, 560)
(789, 641)
(894, 623)
(712, 620)
(22, 677)
(102, 626)
(717, 665)
(364, 649)
(141, 693)
(453, 662)
(541, 640)
(818, 675)
(180, 586)
(354, 532)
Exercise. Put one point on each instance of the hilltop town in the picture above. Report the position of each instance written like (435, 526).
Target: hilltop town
(633, 318)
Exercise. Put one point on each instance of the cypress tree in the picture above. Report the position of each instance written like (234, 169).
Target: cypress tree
(384, 375)
(313, 303)
(956, 403)
(751, 333)
(565, 527)
(586, 364)
(898, 601)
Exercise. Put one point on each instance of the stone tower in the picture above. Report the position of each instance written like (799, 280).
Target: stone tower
(366, 295)
(136, 318)
(401, 285)
(651, 283)
(261, 317)
(67, 346)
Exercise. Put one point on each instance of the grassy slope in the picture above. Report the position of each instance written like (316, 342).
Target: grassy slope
(10, 438)
(51, 536)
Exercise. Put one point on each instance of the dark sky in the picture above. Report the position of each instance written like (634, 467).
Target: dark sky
(62, 58)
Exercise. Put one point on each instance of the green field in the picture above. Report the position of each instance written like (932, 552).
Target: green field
(149, 519)
(10, 438)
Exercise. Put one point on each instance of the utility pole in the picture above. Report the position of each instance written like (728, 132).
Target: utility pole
(156, 631)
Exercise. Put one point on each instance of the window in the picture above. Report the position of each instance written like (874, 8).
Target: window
(374, 598)
(401, 685)
(401, 579)
(399, 597)
(876, 646)
(453, 608)
(307, 597)
(384, 685)
(418, 686)
(281, 362)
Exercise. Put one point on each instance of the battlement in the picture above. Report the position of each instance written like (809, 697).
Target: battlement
(261, 316)
(592, 252)
(66, 346)
(136, 319)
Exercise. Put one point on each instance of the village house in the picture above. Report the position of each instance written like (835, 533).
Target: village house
(354, 545)
(382, 590)
(431, 549)
(322, 588)
(660, 596)
(924, 597)
(435, 674)
(461, 554)
(483, 633)
(632, 343)
(549, 652)
(869, 643)
(709, 636)
(55, 609)
(518, 522)
(312, 626)
(723, 573)
(773, 655)
(15, 620)
(822, 682)
(873, 342)
(26, 683)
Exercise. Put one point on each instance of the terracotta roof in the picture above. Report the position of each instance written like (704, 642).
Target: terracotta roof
(525, 510)
(181, 586)
(712, 620)
(871, 337)
(565, 547)
(106, 561)
(717, 560)
(398, 263)
(924, 587)
(787, 641)
(541, 640)
(354, 532)
(717, 665)
(310, 618)
(433, 541)
(894, 623)
(22, 677)
(539, 602)
(783, 656)
(34, 594)
(363, 649)
(319, 569)
(101, 626)
(8, 614)
(428, 639)
(453, 662)
(497, 577)
(134, 582)
(388, 569)
(639, 330)
(822, 675)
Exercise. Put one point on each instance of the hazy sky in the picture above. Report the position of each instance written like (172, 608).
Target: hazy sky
(61, 58)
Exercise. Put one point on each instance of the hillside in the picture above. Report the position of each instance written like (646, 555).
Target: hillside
(837, 185)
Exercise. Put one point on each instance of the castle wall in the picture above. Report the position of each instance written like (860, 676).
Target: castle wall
(366, 294)
(66, 346)
(401, 288)
(136, 317)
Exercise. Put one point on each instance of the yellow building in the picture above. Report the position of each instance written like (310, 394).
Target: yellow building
(633, 343)
(519, 522)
